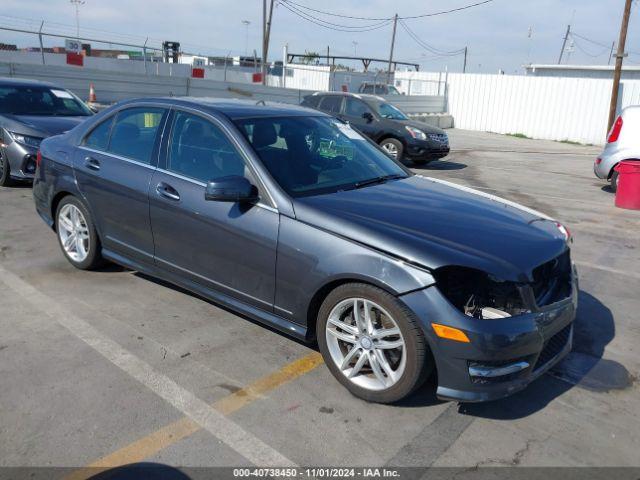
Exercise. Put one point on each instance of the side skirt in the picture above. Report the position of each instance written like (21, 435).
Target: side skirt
(267, 318)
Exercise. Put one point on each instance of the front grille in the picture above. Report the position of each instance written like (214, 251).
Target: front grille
(552, 280)
(553, 347)
(439, 137)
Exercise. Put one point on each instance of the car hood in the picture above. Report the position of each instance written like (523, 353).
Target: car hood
(433, 223)
(425, 127)
(40, 125)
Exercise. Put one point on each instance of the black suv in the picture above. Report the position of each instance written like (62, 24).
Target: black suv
(385, 124)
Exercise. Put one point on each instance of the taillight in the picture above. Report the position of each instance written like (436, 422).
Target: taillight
(615, 131)
(598, 161)
(38, 158)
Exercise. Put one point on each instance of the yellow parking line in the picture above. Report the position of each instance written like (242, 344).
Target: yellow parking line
(176, 431)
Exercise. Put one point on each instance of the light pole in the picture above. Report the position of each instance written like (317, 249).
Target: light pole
(355, 48)
(77, 4)
(246, 24)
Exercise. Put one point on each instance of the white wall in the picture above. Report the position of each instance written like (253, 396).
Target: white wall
(551, 108)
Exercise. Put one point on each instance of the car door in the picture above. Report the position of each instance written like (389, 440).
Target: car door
(360, 116)
(228, 247)
(114, 164)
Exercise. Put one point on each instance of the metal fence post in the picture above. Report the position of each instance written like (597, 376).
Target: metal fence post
(41, 43)
(144, 54)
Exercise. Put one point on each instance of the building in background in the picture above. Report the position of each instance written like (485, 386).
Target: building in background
(580, 71)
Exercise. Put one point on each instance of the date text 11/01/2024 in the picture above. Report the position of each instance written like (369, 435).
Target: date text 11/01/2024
(326, 472)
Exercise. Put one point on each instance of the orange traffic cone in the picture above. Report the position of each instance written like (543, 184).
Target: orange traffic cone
(92, 94)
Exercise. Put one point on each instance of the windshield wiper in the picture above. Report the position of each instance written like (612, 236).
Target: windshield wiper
(376, 180)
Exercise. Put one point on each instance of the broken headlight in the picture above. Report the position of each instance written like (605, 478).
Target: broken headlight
(478, 294)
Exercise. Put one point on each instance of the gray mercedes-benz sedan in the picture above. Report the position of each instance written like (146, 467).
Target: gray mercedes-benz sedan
(29, 112)
(291, 217)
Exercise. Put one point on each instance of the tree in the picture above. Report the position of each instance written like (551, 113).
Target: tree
(310, 57)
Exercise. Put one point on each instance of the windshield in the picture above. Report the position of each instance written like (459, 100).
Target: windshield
(386, 110)
(393, 90)
(34, 100)
(316, 155)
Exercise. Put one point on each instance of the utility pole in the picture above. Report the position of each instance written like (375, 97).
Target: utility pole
(613, 45)
(393, 41)
(464, 65)
(564, 43)
(328, 55)
(266, 33)
(618, 70)
(77, 4)
(246, 24)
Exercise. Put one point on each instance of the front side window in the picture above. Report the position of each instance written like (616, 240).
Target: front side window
(99, 137)
(355, 107)
(200, 150)
(331, 104)
(39, 100)
(386, 110)
(316, 155)
(135, 131)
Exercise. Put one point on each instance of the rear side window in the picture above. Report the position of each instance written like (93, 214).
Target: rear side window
(99, 136)
(367, 89)
(331, 104)
(311, 101)
(134, 133)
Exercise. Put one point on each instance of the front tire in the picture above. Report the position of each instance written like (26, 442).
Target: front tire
(372, 344)
(5, 172)
(393, 148)
(77, 234)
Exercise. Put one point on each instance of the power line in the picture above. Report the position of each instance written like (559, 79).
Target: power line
(586, 52)
(600, 44)
(433, 14)
(426, 46)
(329, 25)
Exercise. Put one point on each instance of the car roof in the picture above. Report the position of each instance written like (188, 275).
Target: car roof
(22, 82)
(234, 108)
(363, 96)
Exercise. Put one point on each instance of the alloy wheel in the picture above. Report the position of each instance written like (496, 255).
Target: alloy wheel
(73, 232)
(366, 344)
(391, 149)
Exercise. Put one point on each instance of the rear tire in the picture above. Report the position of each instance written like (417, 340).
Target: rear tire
(614, 181)
(5, 172)
(77, 235)
(396, 356)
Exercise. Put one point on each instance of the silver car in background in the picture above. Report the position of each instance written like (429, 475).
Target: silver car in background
(623, 143)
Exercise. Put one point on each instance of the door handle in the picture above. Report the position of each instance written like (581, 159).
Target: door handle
(92, 164)
(167, 191)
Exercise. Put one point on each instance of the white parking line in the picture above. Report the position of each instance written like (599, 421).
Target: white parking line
(221, 427)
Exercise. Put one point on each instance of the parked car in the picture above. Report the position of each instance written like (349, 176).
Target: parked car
(293, 218)
(623, 143)
(29, 112)
(378, 89)
(385, 124)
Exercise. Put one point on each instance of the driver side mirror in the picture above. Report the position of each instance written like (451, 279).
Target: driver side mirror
(368, 117)
(233, 188)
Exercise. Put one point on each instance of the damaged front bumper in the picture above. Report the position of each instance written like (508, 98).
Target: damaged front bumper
(503, 355)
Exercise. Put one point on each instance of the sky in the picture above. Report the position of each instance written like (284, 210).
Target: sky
(502, 34)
